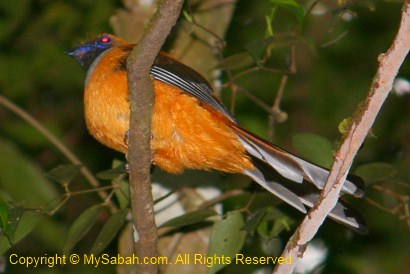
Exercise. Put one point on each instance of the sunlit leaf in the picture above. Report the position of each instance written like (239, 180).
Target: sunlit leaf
(345, 125)
(187, 16)
(190, 218)
(81, 226)
(227, 239)
(269, 19)
(109, 231)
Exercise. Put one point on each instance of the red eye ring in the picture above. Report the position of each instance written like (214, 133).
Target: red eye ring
(105, 39)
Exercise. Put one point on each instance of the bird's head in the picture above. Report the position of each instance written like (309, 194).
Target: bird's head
(87, 51)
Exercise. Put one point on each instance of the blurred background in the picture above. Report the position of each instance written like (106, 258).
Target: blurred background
(291, 71)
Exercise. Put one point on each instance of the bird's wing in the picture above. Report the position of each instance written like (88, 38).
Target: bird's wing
(170, 71)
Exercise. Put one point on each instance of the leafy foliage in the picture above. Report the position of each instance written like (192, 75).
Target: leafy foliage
(109, 231)
(314, 148)
(227, 239)
(81, 226)
(64, 174)
(20, 223)
(190, 218)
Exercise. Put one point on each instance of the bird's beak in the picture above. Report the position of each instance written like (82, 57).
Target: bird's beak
(76, 53)
(70, 52)
(81, 55)
(84, 54)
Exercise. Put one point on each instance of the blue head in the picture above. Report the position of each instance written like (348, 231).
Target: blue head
(88, 51)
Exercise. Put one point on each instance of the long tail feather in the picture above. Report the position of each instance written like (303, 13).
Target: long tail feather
(291, 166)
(297, 181)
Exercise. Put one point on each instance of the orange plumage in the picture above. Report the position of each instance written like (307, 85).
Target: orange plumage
(191, 129)
(176, 144)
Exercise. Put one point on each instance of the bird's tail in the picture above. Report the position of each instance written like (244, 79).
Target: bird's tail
(297, 181)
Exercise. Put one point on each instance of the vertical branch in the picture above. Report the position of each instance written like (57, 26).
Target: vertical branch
(141, 92)
(389, 64)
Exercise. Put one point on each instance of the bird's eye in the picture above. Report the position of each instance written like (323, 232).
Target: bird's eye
(105, 39)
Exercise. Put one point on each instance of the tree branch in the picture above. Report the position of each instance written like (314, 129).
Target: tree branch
(389, 64)
(140, 87)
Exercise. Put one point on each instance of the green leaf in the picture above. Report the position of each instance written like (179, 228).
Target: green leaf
(22, 179)
(272, 223)
(314, 148)
(123, 194)
(293, 6)
(345, 125)
(160, 199)
(25, 133)
(227, 239)
(4, 214)
(270, 230)
(187, 16)
(237, 61)
(190, 218)
(269, 19)
(116, 176)
(113, 173)
(81, 226)
(254, 220)
(64, 174)
(257, 48)
(376, 172)
(21, 223)
(109, 231)
(263, 229)
(281, 224)
(14, 219)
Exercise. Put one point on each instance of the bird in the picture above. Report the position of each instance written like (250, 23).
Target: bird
(192, 129)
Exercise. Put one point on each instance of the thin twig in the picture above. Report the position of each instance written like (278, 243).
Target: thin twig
(335, 40)
(276, 113)
(220, 198)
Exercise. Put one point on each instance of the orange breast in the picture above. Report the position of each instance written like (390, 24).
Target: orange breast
(185, 134)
